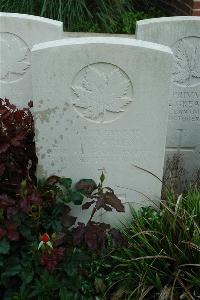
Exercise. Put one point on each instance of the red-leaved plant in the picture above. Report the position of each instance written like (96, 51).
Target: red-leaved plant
(30, 210)
(17, 148)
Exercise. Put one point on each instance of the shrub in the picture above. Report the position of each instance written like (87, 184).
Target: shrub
(114, 16)
(17, 149)
(36, 238)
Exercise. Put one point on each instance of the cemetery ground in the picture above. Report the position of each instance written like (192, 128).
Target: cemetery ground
(154, 255)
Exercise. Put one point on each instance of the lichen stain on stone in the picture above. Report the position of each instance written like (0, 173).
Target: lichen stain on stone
(43, 156)
(38, 148)
(44, 115)
(66, 106)
(49, 150)
(36, 133)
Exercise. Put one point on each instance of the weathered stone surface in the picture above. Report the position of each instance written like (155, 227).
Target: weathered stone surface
(18, 34)
(101, 104)
(182, 34)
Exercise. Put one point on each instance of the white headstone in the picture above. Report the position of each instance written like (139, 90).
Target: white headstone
(182, 34)
(101, 104)
(18, 34)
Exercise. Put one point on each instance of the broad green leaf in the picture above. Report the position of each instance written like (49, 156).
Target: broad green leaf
(66, 182)
(4, 246)
(13, 270)
(77, 198)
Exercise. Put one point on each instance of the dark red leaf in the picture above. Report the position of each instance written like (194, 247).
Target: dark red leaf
(107, 208)
(87, 204)
(86, 186)
(2, 232)
(6, 201)
(2, 169)
(66, 219)
(52, 180)
(60, 239)
(11, 211)
(13, 236)
(25, 205)
(91, 239)
(12, 233)
(112, 200)
(30, 104)
(18, 115)
(78, 234)
(4, 147)
(17, 149)
(100, 203)
(50, 260)
(34, 198)
(16, 141)
(117, 238)
(93, 234)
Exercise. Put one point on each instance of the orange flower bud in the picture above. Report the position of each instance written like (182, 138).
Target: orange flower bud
(45, 238)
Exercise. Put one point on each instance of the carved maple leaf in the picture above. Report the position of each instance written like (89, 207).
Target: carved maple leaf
(15, 60)
(102, 91)
(187, 67)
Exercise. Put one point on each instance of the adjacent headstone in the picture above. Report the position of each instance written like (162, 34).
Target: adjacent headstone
(182, 34)
(18, 34)
(101, 104)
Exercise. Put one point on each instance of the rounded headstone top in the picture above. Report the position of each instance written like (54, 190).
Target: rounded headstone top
(30, 17)
(102, 40)
(168, 19)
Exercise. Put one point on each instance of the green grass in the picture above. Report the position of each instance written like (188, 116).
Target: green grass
(163, 253)
(113, 16)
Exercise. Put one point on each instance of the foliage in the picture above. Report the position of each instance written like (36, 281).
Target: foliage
(26, 250)
(114, 16)
(45, 254)
(36, 235)
(127, 23)
(162, 260)
(17, 149)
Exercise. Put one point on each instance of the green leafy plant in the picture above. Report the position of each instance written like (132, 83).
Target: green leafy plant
(114, 16)
(38, 236)
(163, 253)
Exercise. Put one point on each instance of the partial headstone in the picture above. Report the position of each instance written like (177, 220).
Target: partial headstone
(101, 104)
(18, 34)
(182, 34)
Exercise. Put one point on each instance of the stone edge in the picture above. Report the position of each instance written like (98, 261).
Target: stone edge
(31, 17)
(167, 19)
(102, 40)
